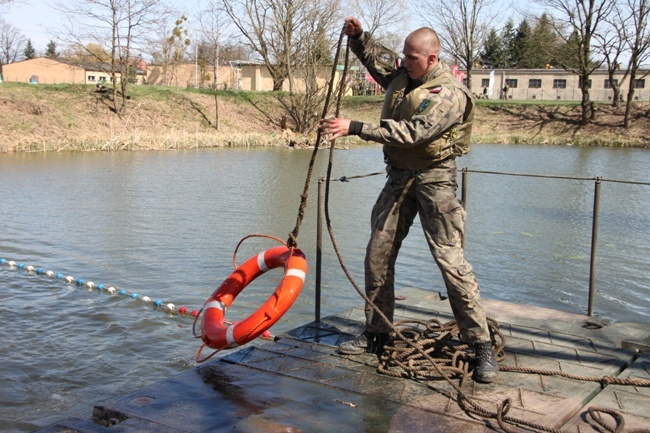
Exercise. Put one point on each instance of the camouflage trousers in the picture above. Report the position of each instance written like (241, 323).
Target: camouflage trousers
(431, 193)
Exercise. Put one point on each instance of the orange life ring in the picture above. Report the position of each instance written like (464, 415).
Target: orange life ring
(219, 336)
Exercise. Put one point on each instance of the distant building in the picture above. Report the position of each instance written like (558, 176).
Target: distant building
(240, 74)
(553, 84)
(43, 70)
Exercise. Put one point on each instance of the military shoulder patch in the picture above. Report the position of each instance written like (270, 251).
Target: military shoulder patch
(423, 106)
(436, 89)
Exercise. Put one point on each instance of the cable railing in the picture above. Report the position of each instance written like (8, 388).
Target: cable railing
(598, 180)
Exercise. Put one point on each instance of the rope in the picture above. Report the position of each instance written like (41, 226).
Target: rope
(347, 178)
(293, 235)
(292, 241)
(157, 303)
(604, 380)
(544, 176)
(103, 288)
(439, 340)
(254, 235)
(595, 413)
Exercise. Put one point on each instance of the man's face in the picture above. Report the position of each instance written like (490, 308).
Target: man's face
(416, 62)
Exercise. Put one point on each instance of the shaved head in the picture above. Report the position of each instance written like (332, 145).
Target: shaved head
(421, 50)
(424, 40)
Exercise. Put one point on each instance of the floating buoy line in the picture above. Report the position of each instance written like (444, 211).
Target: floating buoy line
(160, 304)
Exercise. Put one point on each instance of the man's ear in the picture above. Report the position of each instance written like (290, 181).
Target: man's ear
(432, 59)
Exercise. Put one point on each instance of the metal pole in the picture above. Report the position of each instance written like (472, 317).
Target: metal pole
(463, 198)
(594, 242)
(319, 249)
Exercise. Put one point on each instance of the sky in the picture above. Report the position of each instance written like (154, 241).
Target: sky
(37, 19)
(31, 17)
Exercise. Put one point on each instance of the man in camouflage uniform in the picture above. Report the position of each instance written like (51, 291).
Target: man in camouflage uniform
(426, 122)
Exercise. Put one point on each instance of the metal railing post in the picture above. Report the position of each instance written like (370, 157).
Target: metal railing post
(463, 198)
(594, 243)
(319, 249)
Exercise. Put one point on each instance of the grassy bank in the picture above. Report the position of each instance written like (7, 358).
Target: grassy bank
(77, 118)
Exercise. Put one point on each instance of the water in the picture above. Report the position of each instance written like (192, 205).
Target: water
(165, 225)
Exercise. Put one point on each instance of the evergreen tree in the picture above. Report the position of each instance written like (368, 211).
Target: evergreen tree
(29, 51)
(542, 44)
(567, 53)
(520, 45)
(50, 51)
(507, 43)
(492, 55)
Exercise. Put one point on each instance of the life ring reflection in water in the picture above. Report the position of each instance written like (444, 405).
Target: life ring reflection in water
(219, 335)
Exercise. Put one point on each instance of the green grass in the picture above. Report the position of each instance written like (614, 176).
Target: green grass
(528, 102)
(162, 92)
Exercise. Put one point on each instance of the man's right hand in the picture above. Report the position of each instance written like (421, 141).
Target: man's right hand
(352, 27)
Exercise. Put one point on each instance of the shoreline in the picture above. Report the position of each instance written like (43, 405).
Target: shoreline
(60, 118)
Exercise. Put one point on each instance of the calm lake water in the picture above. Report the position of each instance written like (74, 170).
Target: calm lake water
(165, 225)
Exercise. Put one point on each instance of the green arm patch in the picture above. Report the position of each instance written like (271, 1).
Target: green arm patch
(423, 106)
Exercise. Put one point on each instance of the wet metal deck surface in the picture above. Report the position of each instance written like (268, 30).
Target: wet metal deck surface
(299, 383)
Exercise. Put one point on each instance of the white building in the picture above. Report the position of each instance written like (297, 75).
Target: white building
(553, 84)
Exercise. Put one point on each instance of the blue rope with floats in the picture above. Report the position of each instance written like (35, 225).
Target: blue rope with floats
(160, 304)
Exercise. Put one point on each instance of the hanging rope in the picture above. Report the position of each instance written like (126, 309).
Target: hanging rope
(293, 236)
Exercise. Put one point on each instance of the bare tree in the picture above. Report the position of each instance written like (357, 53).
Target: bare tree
(316, 24)
(215, 32)
(463, 26)
(610, 43)
(12, 42)
(162, 54)
(121, 26)
(177, 43)
(637, 37)
(577, 22)
(257, 21)
(294, 40)
(272, 29)
(377, 14)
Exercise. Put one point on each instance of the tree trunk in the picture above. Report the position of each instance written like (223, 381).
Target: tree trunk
(617, 95)
(627, 120)
(585, 103)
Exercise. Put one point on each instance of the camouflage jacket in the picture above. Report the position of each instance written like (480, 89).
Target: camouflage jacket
(429, 124)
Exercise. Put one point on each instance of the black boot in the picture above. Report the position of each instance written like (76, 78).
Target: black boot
(377, 343)
(366, 342)
(487, 368)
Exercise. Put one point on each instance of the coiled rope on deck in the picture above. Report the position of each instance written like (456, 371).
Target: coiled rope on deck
(442, 342)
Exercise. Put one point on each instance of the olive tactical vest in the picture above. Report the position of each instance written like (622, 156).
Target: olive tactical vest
(453, 142)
